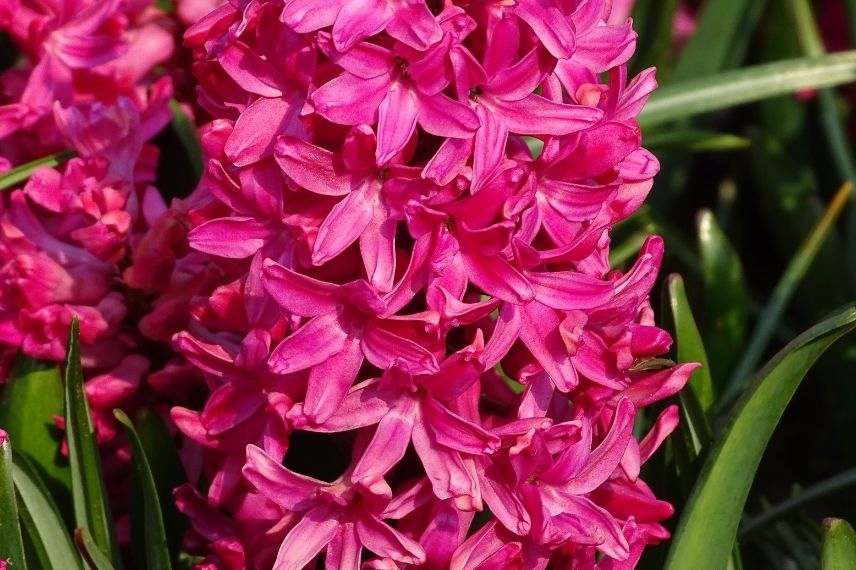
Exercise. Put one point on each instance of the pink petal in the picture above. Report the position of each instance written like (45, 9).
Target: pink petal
(286, 488)
(314, 343)
(250, 71)
(377, 246)
(387, 542)
(414, 24)
(312, 167)
(258, 126)
(397, 116)
(345, 550)
(539, 331)
(345, 223)
(568, 290)
(308, 537)
(551, 26)
(535, 115)
(298, 293)
(309, 15)
(228, 406)
(351, 100)
(330, 380)
(389, 442)
(606, 457)
(382, 348)
(443, 116)
(235, 238)
(455, 432)
(357, 20)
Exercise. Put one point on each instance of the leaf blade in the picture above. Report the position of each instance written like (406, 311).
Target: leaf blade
(11, 540)
(91, 510)
(154, 533)
(747, 85)
(839, 545)
(31, 399)
(43, 524)
(708, 526)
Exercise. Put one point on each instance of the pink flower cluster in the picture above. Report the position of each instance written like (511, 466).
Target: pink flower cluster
(400, 245)
(86, 84)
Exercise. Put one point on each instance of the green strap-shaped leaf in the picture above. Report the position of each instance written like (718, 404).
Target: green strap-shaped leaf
(724, 295)
(23, 172)
(11, 542)
(31, 398)
(697, 402)
(167, 471)
(747, 85)
(782, 294)
(91, 510)
(151, 521)
(95, 559)
(185, 130)
(708, 525)
(839, 546)
(48, 537)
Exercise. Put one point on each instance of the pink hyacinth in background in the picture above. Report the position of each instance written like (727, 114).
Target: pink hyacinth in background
(398, 269)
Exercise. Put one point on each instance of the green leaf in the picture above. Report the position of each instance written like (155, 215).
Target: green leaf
(839, 546)
(784, 290)
(95, 559)
(708, 525)
(723, 27)
(697, 402)
(91, 511)
(186, 131)
(167, 471)
(31, 398)
(724, 295)
(23, 172)
(47, 535)
(154, 535)
(696, 140)
(11, 542)
(747, 85)
(836, 483)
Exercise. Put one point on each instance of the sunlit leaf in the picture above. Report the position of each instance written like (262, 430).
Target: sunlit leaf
(697, 402)
(707, 528)
(741, 86)
(31, 399)
(49, 539)
(91, 510)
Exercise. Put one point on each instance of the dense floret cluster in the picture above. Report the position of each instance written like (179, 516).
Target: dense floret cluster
(400, 244)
